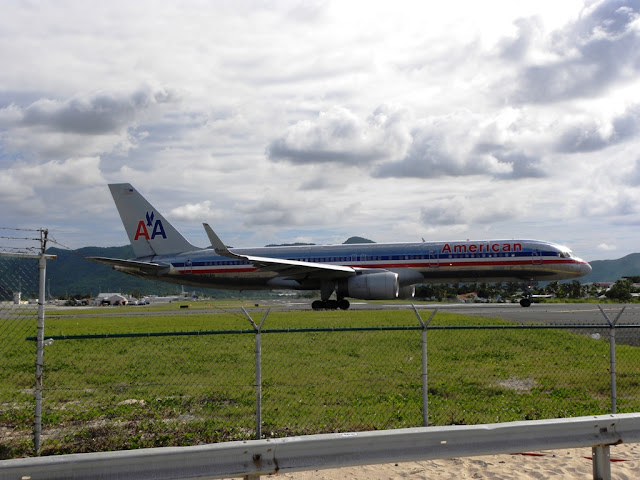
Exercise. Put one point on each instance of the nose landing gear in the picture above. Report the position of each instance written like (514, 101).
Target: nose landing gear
(525, 301)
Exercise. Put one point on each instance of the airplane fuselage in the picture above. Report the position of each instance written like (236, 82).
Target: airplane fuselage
(427, 262)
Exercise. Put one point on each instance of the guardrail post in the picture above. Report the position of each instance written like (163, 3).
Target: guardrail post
(601, 458)
(258, 328)
(425, 387)
(612, 355)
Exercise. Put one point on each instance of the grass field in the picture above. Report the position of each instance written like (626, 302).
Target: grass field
(121, 393)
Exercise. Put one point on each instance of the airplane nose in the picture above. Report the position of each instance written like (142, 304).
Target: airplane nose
(585, 268)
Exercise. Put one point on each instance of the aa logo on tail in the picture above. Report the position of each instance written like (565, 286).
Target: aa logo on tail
(142, 230)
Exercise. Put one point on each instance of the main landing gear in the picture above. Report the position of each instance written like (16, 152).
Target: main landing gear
(326, 290)
(342, 304)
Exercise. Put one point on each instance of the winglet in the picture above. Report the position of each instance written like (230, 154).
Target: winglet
(218, 247)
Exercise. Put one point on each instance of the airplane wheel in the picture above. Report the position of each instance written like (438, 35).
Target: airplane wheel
(331, 305)
(318, 305)
(525, 302)
(343, 304)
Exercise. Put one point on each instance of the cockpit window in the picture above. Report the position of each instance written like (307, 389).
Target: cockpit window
(566, 254)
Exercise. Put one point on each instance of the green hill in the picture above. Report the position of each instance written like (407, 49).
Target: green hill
(73, 274)
(352, 240)
(612, 270)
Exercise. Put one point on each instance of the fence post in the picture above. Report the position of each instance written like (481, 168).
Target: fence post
(612, 354)
(425, 388)
(258, 328)
(42, 262)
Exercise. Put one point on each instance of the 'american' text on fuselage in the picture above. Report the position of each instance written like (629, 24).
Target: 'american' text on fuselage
(481, 247)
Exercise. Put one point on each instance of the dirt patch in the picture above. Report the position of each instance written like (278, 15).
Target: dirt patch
(520, 385)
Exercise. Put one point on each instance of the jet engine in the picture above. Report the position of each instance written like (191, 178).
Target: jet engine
(371, 286)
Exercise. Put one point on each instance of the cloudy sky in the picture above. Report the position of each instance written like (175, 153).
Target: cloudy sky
(279, 121)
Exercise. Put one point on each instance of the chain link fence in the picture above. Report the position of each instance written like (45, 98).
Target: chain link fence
(19, 289)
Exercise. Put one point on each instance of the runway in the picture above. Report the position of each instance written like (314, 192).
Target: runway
(545, 313)
(556, 314)
(549, 313)
(542, 314)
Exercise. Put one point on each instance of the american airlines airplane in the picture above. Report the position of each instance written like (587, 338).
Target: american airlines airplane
(371, 271)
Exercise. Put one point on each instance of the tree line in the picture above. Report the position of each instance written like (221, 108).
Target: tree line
(622, 290)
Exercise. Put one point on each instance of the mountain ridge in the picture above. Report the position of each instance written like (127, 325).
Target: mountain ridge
(612, 270)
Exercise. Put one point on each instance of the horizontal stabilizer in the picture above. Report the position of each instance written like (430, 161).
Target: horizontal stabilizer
(145, 267)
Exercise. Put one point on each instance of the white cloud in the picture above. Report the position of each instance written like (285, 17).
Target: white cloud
(590, 134)
(597, 51)
(88, 124)
(97, 114)
(68, 173)
(13, 191)
(194, 212)
(464, 210)
(340, 136)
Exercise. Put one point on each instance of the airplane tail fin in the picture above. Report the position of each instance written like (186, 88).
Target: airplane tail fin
(148, 231)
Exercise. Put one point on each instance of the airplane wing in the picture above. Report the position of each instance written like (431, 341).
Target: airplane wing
(294, 269)
(289, 268)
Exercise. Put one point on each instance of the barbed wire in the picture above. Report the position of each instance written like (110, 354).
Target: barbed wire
(10, 241)
(7, 247)
(22, 229)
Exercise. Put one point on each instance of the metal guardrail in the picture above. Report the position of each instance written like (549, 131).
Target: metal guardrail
(293, 454)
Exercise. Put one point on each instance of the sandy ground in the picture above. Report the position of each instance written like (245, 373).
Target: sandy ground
(564, 464)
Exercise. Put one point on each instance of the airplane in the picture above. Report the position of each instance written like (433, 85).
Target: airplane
(371, 271)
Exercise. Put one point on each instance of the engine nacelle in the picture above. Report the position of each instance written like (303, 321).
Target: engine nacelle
(407, 293)
(372, 286)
